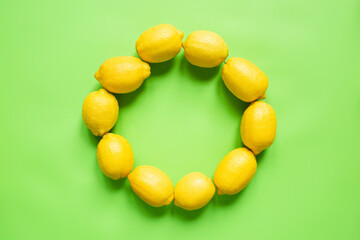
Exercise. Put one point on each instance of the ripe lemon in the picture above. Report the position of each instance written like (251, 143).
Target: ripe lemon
(159, 43)
(122, 74)
(194, 191)
(100, 112)
(115, 156)
(152, 185)
(235, 171)
(258, 126)
(205, 49)
(245, 80)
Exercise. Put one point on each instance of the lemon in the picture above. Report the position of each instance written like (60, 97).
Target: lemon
(194, 191)
(122, 74)
(152, 185)
(258, 126)
(245, 80)
(115, 156)
(235, 171)
(205, 49)
(100, 112)
(159, 43)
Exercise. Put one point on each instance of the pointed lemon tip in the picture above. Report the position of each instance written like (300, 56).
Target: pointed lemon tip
(262, 96)
(97, 75)
(181, 34)
(255, 151)
(102, 90)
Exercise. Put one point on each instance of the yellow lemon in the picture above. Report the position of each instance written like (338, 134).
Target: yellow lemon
(258, 126)
(235, 171)
(152, 185)
(205, 49)
(194, 191)
(159, 43)
(122, 74)
(245, 80)
(115, 156)
(100, 112)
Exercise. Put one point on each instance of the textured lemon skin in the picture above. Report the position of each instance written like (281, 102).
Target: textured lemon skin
(152, 185)
(258, 126)
(159, 43)
(235, 171)
(122, 74)
(205, 49)
(245, 80)
(100, 112)
(115, 156)
(194, 191)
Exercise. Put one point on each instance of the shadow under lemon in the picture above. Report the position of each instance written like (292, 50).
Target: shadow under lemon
(189, 215)
(158, 69)
(94, 140)
(202, 74)
(112, 184)
(260, 156)
(225, 200)
(234, 106)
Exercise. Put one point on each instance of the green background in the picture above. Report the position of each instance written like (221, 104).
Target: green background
(182, 119)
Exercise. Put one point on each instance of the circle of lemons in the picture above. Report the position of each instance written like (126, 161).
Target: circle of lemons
(125, 74)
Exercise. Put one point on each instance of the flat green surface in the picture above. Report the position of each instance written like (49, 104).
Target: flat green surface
(182, 119)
